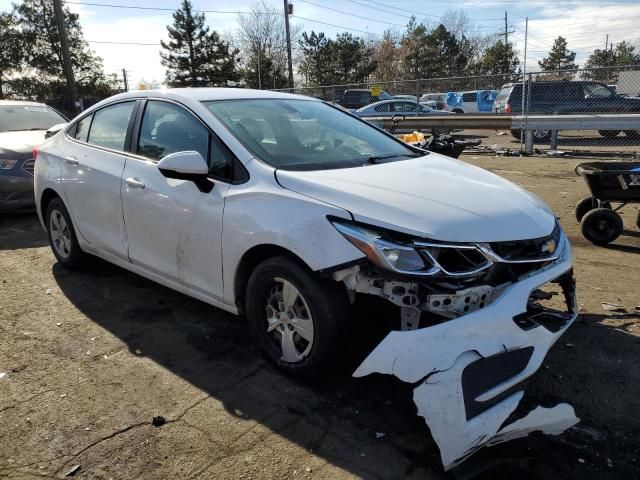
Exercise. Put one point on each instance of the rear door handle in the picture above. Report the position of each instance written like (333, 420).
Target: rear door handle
(134, 183)
(73, 161)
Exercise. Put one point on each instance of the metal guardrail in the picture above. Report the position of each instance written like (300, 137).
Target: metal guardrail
(553, 123)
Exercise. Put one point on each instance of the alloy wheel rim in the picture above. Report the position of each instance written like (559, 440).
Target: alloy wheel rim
(60, 234)
(289, 321)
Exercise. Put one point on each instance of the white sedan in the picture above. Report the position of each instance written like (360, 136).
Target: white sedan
(288, 210)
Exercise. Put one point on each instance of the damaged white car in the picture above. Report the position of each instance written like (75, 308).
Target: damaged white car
(289, 210)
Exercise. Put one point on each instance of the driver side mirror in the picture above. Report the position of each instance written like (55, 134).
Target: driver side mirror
(188, 165)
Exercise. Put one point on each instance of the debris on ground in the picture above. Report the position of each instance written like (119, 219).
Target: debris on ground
(380, 435)
(613, 307)
(2, 374)
(72, 471)
(48, 291)
(158, 421)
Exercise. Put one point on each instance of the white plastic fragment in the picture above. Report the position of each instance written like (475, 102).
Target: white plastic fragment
(380, 435)
(2, 374)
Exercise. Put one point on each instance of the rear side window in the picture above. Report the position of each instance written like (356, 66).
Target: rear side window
(469, 97)
(382, 108)
(167, 128)
(109, 126)
(82, 128)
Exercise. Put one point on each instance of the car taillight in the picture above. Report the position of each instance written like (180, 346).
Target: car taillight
(35, 153)
(507, 108)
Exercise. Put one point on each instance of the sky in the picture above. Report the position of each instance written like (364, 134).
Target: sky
(585, 24)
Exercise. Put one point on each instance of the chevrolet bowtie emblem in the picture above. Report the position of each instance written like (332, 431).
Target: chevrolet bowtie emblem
(548, 247)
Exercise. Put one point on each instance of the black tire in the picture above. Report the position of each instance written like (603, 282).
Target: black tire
(609, 133)
(329, 310)
(601, 226)
(541, 136)
(632, 133)
(75, 256)
(587, 204)
(516, 134)
(638, 220)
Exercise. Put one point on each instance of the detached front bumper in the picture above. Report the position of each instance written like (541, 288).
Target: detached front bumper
(466, 370)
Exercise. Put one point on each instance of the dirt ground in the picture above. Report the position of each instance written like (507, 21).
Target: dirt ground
(91, 357)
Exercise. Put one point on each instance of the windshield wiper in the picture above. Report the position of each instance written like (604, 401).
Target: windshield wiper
(26, 129)
(373, 159)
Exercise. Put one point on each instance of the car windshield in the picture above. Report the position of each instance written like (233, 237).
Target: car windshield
(305, 135)
(28, 117)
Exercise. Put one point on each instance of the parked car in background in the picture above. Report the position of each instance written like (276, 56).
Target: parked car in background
(289, 210)
(437, 98)
(561, 97)
(471, 102)
(357, 98)
(389, 108)
(23, 126)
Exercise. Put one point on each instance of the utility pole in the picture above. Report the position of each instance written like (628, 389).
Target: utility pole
(288, 10)
(66, 57)
(506, 43)
(606, 43)
(124, 77)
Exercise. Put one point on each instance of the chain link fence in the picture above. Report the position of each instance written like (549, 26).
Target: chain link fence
(609, 90)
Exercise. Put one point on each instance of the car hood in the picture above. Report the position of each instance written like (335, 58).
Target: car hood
(434, 196)
(20, 142)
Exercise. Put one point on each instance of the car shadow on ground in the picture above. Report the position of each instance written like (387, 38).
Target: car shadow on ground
(21, 230)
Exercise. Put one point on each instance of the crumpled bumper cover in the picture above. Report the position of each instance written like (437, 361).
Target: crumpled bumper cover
(466, 370)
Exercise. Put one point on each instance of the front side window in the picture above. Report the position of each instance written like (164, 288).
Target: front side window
(295, 134)
(404, 107)
(168, 128)
(595, 90)
(109, 126)
(382, 108)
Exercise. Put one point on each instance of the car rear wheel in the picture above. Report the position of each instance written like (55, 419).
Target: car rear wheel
(601, 226)
(298, 319)
(609, 133)
(587, 204)
(62, 236)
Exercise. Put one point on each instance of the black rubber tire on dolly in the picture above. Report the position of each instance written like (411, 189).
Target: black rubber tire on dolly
(601, 226)
(609, 133)
(587, 204)
(75, 256)
(328, 306)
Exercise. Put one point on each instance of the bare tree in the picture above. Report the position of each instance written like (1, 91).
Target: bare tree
(262, 42)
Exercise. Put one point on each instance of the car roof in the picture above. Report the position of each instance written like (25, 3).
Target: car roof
(20, 103)
(206, 94)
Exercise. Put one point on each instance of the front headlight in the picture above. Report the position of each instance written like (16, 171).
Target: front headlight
(415, 258)
(6, 164)
(384, 253)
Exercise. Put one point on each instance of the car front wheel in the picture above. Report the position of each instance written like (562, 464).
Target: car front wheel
(298, 319)
(62, 236)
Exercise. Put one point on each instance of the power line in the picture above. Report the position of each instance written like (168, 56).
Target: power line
(351, 14)
(337, 26)
(385, 11)
(422, 14)
(160, 9)
(124, 43)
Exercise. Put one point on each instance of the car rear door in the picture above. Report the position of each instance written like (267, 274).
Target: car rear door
(174, 229)
(94, 159)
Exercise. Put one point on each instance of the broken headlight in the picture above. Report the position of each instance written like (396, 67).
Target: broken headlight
(414, 258)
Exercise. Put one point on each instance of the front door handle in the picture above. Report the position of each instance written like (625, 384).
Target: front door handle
(73, 161)
(134, 183)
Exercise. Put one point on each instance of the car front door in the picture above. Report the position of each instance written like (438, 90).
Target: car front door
(174, 229)
(92, 169)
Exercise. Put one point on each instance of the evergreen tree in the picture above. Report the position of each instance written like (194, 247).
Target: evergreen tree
(560, 59)
(11, 49)
(604, 65)
(40, 72)
(195, 57)
(499, 59)
(317, 61)
(414, 44)
(353, 59)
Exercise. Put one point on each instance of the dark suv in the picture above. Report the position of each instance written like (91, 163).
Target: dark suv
(360, 97)
(565, 97)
